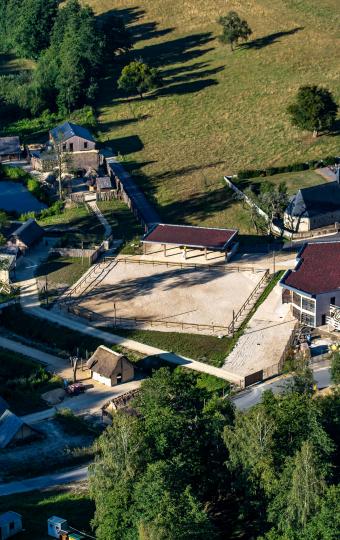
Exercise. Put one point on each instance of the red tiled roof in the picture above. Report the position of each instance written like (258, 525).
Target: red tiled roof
(318, 270)
(183, 235)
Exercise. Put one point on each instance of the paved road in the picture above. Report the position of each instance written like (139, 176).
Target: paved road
(89, 403)
(54, 363)
(253, 395)
(42, 482)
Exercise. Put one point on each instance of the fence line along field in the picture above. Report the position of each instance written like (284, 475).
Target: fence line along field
(170, 295)
(218, 111)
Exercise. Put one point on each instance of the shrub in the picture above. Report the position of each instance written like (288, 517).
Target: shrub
(54, 210)
(27, 215)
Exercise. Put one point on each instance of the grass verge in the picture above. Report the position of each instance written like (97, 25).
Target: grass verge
(22, 381)
(71, 503)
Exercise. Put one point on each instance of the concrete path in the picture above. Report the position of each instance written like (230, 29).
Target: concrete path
(252, 396)
(91, 402)
(107, 227)
(264, 339)
(326, 173)
(42, 482)
(54, 363)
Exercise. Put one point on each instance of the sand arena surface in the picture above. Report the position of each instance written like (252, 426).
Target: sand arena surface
(207, 295)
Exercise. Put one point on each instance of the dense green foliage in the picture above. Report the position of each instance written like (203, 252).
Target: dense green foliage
(70, 46)
(234, 29)
(314, 109)
(138, 78)
(187, 466)
(335, 367)
(22, 381)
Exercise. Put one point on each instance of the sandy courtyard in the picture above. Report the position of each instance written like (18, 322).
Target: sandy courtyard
(204, 296)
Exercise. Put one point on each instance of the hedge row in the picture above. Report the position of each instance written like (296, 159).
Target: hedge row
(294, 167)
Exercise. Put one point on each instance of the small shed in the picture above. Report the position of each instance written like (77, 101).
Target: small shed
(7, 266)
(28, 234)
(103, 183)
(13, 429)
(55, 525)
(109, 367)
(9, 148)
(3, 406)
(10, 524)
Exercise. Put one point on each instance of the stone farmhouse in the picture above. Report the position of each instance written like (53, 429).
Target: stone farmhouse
(76, 145)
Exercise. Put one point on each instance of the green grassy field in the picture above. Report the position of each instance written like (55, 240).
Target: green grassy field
(218, 111)
(71, 503)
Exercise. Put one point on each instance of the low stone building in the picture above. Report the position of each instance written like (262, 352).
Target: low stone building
(313, 287)
(9, 148)
(26, 236)
(314, 207)
(14, 430)
(109, 367)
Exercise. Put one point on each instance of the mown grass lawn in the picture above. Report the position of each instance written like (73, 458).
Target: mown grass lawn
(218, 111)
(209, 349)
(71, 503)
(293, 180)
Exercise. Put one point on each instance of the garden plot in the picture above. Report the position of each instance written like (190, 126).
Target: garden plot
(165, 297)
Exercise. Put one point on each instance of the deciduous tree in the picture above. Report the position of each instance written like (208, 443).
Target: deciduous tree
(314, 109)
(138, 78)
(234, 29)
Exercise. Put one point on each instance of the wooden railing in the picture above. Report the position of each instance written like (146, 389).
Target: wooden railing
(232, 325)
(224, 267)
(133, 322)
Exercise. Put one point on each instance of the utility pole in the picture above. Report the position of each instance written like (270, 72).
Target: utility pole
(46, 289)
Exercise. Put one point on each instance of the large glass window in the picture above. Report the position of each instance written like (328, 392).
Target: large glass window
(307, 319)
(308, 304)
(296, 299)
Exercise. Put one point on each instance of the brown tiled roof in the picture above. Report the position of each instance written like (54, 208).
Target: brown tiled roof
(318, 269)
(184, 235)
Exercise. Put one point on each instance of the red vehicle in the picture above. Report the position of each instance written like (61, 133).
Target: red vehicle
(75, 389)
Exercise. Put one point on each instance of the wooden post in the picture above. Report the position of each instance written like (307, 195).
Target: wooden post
(164, 247)
(205, 253)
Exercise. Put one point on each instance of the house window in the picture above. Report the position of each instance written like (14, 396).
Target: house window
(333, 300)
(307, 319)
(64, 147)
(85, 145)
(11, 526)
(308, 305)
(296, 299)
(71, 147)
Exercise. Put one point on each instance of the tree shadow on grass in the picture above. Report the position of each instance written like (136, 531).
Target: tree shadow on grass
(265, 41)
(138, 32)
(198, 207)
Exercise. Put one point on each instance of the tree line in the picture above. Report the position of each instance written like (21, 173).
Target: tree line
(71, 48)
(183, 464)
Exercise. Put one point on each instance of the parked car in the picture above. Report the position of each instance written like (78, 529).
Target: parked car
(75, 389)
